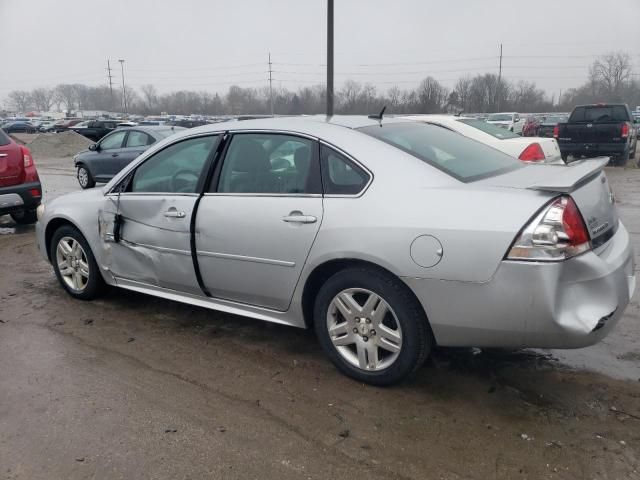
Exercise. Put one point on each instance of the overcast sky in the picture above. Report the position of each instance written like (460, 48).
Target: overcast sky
(211, 44)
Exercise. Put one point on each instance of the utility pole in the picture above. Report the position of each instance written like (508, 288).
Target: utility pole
(560, 97)
(499, 79)
(270, 86)
(124, 91)
(110, 82)
(329, 58)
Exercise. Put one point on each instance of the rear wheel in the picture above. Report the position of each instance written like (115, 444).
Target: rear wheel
(74, 264)
(84, 177)
(371, 326)
(25, 217)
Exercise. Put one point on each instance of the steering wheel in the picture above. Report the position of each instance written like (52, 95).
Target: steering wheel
(183, 176)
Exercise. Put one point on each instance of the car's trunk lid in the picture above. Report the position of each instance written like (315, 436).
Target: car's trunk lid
(584, 180)
(11, 163)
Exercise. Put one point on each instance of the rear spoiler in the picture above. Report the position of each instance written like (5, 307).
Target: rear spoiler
(568, 177)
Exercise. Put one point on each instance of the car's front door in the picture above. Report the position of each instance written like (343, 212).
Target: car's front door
(256, 226)
(154, 246)
(104, 162)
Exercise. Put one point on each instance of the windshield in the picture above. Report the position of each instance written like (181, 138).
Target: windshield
(451, 152)
(499, 117)
(492, 130)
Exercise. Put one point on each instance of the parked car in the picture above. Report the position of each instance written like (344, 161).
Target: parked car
(386, 236)
(509, 120)
(49, 125)
(65, 124)
(20, 189)
(95, 129)
(530, 126)
(527, 149)
(548, 124)
(19, 127)
(115, 151)
(596, 130)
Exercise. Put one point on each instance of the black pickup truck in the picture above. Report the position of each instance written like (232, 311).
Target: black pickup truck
(598, 130)
(96, 129)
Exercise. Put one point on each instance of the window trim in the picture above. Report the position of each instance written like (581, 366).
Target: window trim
(215, 178)
(351, 159)
(129, 132)
(127, 177)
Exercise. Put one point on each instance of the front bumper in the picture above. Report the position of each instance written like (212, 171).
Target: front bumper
(568, 304)
(18, 198)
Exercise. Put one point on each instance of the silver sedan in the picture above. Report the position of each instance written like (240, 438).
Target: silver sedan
(387, 237)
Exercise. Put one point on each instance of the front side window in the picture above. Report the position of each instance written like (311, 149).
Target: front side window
(175, 169)
(138, 139)
(112, 141)
(270, 163)
(340, 176)
(458, 156)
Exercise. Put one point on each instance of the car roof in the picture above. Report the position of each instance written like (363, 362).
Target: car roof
(149, 128)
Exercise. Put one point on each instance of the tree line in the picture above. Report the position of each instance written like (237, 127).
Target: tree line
(610, 79)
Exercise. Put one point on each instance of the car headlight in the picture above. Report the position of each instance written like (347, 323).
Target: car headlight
(40, 211)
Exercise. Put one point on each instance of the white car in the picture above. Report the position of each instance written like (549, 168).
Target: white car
(527, 149)
(512, 121)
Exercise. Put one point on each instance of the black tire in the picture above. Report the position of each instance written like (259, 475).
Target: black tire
(95, 285)
(85, 179)
(417, 338)
(26, 217)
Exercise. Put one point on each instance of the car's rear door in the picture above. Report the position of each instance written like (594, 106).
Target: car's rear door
(135, 144)
(256, 226)
(11, 162)
(154, 247)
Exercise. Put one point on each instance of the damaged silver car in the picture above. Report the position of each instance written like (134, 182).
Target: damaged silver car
(386, 236)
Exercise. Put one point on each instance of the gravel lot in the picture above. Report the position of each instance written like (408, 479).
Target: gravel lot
(132, 386)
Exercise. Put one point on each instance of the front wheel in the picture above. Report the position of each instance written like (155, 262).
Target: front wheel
(84, 177)
(74, 264)
(371, 326)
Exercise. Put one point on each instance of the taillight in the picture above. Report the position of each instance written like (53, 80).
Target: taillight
(26, 156)
(533, 153)
(558, 232)
(625, 130)
(556, 131)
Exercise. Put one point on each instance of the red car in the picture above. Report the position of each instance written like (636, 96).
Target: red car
(20, 189)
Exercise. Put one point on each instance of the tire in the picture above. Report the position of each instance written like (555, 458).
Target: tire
(85, 179)
(26, 217)
(405, 326)
(78, 285)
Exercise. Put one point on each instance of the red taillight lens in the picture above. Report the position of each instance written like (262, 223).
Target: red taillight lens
(558, 232)
(556, 131)
(625, 130)
(35, 193)
(26, 156)
(533, 153)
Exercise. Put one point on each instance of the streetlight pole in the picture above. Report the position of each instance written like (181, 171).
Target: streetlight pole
(124, 91)
(329, 58)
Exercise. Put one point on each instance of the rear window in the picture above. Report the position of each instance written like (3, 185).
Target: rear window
(604, 113)
(493, 130)
(451, 152)
(4, 138)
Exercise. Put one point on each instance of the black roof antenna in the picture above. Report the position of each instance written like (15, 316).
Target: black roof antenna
(458, 113)
(379, 115)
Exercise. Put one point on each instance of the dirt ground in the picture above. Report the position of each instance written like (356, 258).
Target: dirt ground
(132, 386)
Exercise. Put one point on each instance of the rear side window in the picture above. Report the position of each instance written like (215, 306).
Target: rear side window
(138, 139)
(340, 176)
(600, 113)
(491, 129)
(4, 139)
(453, 153)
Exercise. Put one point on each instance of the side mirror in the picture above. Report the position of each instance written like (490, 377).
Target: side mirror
(94, 148)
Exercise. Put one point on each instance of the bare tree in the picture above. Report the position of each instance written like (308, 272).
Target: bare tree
(20, 100)
(150, 97)
(42, 99)
(67, 95)
(611, 71)
(432, 96)
(463, 90)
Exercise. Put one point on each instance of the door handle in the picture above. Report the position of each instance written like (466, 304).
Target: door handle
(298, 217)
(174, 214)
(114, 154)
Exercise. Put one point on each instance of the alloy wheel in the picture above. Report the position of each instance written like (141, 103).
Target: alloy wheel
(72, 263)
(83, 177)
(364, 329)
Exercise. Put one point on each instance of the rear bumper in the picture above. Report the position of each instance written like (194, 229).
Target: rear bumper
(18, 198)
(570, 304)
(594, 149)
